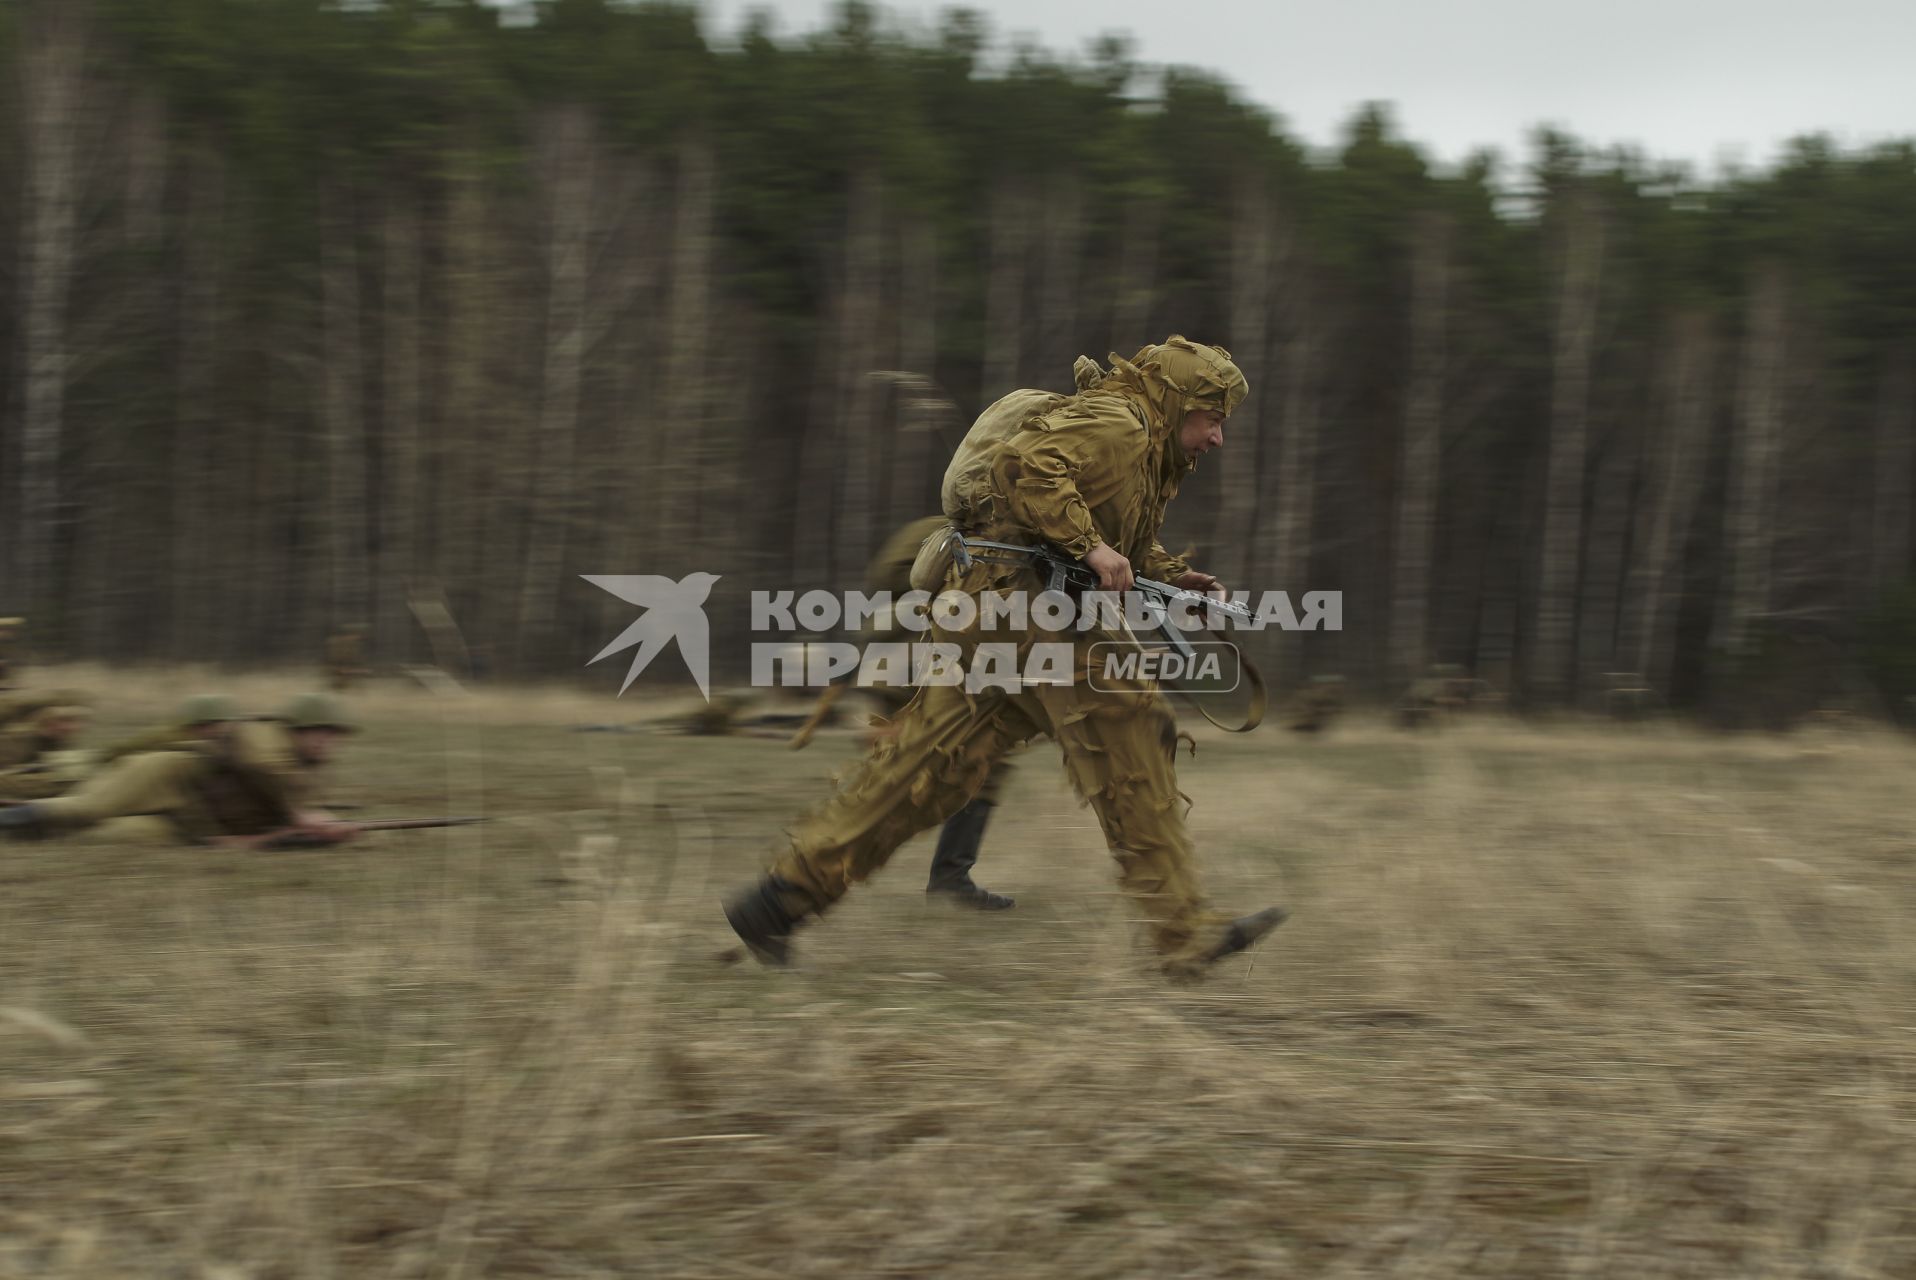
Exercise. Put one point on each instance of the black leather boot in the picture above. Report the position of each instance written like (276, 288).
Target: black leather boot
(763, 919)
(1241, 934)
(1246, 932)
(951, 866)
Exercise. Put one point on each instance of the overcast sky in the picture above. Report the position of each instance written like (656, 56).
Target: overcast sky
(1698, 80)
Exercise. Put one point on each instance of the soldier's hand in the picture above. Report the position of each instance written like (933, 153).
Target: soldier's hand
(1113, 570)
(1203, 583)
(329, 831)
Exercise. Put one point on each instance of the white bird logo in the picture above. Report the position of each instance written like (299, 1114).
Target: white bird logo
(673, 611)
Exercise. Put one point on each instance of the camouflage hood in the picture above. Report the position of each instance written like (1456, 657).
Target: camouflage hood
(1172, 378)
(1168, 380)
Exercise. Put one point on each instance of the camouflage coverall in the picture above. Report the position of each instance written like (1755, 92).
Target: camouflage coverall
(1077, 471)
(958, 842)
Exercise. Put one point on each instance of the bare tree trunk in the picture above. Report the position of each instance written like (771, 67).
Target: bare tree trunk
(1296, 483)
(1574, 341)
(1254, 235)
(1063, 220)
(1750, 535)
(836, 481)
(857, 448)
(1011, 218)
(1656, 584)
(119, 575)
(463, 475)
(398, 531)
(916, 465)
(572, 152)
(1613, 480)
(53, 66)
(1137, 278)
(728, 536)
(638, 480)
(687, 377)
(816, 498)
(344, 407)
(1895, 454)
(194, 420)
(1423, 448)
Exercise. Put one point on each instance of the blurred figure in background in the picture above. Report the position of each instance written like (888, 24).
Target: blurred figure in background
(33, 724)
(1318, 703)
(11, 661)
(37, 753)
(346, 657)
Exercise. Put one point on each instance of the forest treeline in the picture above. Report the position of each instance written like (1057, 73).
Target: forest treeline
(313, 309)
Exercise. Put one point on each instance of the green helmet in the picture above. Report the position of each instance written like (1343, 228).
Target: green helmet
(316, 711)
(208, 708)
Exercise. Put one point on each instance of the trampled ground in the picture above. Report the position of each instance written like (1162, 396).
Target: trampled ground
(1555, 1001)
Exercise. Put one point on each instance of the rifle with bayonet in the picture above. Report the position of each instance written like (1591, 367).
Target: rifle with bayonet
(294, 838)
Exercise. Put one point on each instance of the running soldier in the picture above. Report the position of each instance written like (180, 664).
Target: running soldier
(1090, 475)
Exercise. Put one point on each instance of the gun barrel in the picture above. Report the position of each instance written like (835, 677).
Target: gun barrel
(1169, 592)
(413, 824)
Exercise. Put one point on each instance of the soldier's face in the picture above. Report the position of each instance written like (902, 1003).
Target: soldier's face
(1203, 431)
(214, 730)
(315, 746)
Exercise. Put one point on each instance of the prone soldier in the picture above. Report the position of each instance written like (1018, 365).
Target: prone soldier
(245, 788)
(202, 719)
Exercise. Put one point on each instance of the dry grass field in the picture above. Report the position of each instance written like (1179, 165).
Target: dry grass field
(1554, 1001)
